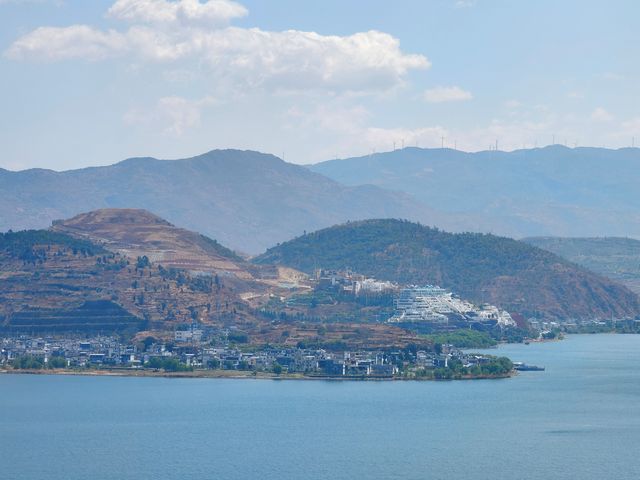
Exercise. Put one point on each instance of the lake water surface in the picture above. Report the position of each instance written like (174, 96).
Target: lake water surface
(580, 419)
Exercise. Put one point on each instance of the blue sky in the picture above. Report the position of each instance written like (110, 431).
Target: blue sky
(91, 83)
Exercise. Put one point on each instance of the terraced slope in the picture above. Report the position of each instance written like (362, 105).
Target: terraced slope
(136, 233)
(50, 281)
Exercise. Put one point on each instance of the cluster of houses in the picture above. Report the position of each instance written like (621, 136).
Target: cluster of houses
(351, 282)
(433, 307)
(106, 352)
(78, 352)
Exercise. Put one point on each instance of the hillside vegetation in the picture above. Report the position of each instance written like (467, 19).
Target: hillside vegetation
(481, 267)
(615, 257)
(128, 270)
(29, 244)
(118, 269)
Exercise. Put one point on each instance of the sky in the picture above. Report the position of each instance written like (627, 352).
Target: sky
(86, 83)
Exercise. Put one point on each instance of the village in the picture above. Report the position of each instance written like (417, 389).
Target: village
(193, 350)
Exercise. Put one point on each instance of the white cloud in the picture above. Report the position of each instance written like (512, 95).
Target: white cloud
(446, 94)
(630, 129)
(329, 117)
(465, 3)
(351, 132)
(210, 13)
(632, 125)
(77, 41)
(601, 115)
(245, 57)
(173, 115)
(612, 76)
(179, 76)
(510, 135)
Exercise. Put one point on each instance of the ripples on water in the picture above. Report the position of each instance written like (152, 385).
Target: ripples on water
(580, 419)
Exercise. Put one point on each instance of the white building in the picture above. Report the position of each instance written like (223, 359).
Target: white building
(433, 304)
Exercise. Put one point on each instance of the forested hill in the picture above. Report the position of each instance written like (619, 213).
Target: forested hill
(485, 268)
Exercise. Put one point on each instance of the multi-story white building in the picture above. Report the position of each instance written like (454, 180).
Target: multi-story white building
(434, 304)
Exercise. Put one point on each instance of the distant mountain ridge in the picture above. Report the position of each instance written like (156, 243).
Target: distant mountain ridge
(555, 190)
(484, 268)
(614, 257)
(246, 200)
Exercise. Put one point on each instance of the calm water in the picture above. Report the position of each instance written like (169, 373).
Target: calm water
(578, 420)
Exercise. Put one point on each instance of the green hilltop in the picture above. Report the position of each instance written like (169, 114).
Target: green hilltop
(482, 267)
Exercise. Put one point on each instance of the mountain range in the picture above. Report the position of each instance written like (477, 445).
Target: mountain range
(250, 201)
(551, 191)
(246, 200)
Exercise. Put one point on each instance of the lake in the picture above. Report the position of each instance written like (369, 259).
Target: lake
(580, 419)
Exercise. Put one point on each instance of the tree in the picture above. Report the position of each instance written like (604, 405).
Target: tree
(147, 342)
(142, 262)
(27, 362)
(277, 368)
(168, 364)
(57, 362)
(238, 337)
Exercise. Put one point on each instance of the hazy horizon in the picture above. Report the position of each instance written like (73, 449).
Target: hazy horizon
(365, 154)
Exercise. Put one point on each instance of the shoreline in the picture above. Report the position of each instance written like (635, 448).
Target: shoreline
(235, 375)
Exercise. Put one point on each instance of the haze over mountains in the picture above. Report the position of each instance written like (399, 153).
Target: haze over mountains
(615, 257)
(554, 190)
(246, 200)
(250, 201)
